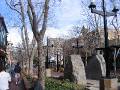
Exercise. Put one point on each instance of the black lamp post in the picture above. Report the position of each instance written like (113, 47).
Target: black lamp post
(77, 46)
(105, 14)
(57, 61)
(47, 58)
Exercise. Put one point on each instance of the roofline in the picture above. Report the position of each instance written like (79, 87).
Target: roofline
(3, 22)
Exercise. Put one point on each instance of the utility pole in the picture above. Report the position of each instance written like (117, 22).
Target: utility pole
(57, 62)
(77, 46)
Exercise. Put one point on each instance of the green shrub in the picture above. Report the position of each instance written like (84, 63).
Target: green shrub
(53, 84)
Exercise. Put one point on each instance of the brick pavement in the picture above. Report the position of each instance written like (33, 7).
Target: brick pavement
(92, 84)
(13, 85)
(20, 86)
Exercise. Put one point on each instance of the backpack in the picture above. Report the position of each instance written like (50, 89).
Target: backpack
(17, 69)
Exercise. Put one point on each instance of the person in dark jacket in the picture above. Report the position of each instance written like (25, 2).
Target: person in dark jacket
(17, 68)
(17, 71)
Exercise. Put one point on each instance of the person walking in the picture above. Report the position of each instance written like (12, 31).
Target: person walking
(17, 71)
(17, 81)
(5, 78)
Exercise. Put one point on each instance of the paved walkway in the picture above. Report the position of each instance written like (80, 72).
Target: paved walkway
(92, 84)
(57, 74)
(20, 86)
(13, 85)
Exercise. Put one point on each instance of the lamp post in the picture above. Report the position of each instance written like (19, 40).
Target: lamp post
(77, 46)
(57, 61)
(47, 59)
(105, 14)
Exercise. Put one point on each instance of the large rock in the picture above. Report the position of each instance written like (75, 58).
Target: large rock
(74, 70)
(96, 67)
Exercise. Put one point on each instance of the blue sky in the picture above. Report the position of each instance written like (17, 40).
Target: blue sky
(10, 17)
(8, 14)
(69, 13)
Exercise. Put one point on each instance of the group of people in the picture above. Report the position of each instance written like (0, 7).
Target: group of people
(6, 77)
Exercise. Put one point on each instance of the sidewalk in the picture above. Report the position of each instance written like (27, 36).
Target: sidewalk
(13, 85)
(20, 86)
(92, 84)
(57, 74)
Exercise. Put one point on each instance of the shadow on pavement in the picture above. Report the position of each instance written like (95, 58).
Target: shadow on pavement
(118, 87)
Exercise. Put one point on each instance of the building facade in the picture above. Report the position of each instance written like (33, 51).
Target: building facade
(3, 41)
(9, 51)
(54, 50)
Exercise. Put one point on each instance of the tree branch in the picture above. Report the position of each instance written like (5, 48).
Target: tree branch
(40, 17)
(29, 15)
(34, 20)
(13, 8)
(44, 25)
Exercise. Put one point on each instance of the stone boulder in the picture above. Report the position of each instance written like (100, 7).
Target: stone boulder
(74, 70)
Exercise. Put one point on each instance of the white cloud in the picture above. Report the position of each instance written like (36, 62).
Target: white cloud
(54, 32)
(14, 35)
(67, 15)
(69, 12)
(15, 38)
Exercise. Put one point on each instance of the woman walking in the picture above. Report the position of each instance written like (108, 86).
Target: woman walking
(5, 78)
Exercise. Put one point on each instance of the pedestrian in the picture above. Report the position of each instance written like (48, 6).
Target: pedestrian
(5, 78)
(12, 70)
(17, 71)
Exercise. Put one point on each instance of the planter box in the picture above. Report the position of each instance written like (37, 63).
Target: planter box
(108, 84)
(27, 83)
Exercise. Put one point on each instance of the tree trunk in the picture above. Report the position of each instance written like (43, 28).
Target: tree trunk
(31, 59)
(26, 42)
(41, 64)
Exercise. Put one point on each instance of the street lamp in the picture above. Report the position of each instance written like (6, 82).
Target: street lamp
(105, 14)
(57, 61)
(77, 46)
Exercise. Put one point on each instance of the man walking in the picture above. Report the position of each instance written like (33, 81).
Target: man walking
(17, 71)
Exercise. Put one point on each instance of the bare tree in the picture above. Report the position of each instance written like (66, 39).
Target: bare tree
(36, 18)
(116, 26)
(115, 22)
(75, 31)
(94, 21)
(18, 6)
(39, 35)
